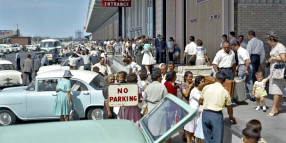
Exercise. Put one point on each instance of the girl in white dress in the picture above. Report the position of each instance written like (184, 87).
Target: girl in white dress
(148, 59)
(194, 103)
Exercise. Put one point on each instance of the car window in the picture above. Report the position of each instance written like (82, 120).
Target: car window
(163, 118)
(98, 82)
(7, 67)
(47, 85)
(78, 86)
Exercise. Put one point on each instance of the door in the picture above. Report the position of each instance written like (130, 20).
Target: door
(80, 96)
(41, 102)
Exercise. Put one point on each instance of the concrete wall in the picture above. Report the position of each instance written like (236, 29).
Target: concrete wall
(159, 17)
(209, 31)
(175, 21)
(262, 18)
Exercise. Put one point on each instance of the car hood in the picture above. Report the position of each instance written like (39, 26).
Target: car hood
(9, 72)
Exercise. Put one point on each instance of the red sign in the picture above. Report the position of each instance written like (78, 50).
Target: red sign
(116, 3)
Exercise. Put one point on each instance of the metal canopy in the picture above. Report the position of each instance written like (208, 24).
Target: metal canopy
(98, 15)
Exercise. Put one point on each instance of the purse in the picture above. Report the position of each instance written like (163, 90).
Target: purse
(145, 110)
(279, 71)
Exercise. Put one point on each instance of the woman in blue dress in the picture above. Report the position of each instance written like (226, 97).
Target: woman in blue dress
(63, 103)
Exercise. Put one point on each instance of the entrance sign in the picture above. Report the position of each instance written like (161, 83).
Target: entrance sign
(116, 3)
(123, 95)
(201, 1)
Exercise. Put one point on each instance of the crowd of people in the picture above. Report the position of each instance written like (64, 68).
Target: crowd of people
(234, 58)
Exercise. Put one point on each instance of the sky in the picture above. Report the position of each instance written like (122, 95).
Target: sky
(51, 18)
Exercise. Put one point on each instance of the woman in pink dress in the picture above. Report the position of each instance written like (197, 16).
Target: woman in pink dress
(131, 113)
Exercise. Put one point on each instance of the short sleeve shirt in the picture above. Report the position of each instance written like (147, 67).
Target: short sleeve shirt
(200, 52)
(215, 97)
(277, 50)
(190, 48)
(223, 59)
(242, 55)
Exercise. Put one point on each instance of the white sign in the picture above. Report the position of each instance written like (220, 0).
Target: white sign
(123, 95)
(201, 1)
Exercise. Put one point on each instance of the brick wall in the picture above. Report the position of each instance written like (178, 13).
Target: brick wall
(21, 40)
(262, 18)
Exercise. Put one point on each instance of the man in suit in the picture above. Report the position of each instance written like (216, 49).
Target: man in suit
(162, 50)
(27, 70)
(37, 64)
(157, 45)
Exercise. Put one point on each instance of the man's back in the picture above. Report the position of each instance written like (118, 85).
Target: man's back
(215, 97)
(37, 64)
(28, 65)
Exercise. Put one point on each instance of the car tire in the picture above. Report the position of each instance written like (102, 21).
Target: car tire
(7, 117)
(95, 114)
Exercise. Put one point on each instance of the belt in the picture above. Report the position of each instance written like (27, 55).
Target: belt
(225, 68)
(254, 55)
(213, 111)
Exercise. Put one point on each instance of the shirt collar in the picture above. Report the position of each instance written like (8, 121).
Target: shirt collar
(230, 52)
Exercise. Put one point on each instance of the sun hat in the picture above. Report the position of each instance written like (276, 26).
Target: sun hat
(67, 73)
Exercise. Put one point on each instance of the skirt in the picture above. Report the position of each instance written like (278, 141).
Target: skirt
(199, 133)
(148, 59)
(191, 126)
(131, 113)
(62, 104)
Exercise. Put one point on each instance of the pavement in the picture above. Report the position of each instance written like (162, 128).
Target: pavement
(273, 128)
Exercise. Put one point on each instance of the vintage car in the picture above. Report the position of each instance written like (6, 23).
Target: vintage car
(36, 101)
(8, 75)
(5, 48)
(31, 48)
(52, 48)
(156, 127)
(65, 66)
(15, 47)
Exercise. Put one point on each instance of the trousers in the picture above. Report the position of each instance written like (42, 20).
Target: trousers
(255, 62)
(212, 126)
(247, 78)
(228, 72)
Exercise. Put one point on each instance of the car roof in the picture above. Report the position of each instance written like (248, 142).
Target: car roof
(83, 75)
(49, 40)
(5, 62)
(88, 131)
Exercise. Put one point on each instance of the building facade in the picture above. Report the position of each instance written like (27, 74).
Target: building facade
(207, 20)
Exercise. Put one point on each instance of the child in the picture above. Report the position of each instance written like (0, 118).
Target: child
(121, 77)
(250, 135)
(256, 125)
(259, 90)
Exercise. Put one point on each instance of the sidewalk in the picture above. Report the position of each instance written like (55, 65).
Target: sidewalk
(273, 128)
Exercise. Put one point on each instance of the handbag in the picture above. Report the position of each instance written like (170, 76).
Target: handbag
(145, 110)
(279, 71)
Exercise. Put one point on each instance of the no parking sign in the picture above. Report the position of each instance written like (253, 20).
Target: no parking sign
(123, 95)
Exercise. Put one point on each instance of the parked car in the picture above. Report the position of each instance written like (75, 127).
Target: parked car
(156, 127)
(16, 47)
(8, 75)
(2, 56)
(4, 48)
(36, 101)
(32, 48)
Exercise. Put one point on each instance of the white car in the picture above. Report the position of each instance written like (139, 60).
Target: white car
(8, 75)
(16, 47)
(31, 48)
(4, 48)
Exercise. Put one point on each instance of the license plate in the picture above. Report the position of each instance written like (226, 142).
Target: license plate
(49, 56)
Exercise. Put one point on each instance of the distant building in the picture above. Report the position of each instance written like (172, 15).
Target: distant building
(21, 40)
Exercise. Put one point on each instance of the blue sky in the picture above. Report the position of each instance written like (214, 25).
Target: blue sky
(53, 18)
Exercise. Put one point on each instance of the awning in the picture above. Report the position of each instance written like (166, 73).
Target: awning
(98, 15)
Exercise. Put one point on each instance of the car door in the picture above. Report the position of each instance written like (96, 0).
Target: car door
(41, 102)
(80, 96)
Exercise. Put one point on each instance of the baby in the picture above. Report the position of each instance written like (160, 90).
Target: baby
(259, 90)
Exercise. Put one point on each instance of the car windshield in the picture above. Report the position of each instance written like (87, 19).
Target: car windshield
(7, 67)
(47, 44)
(166, 115)
(49, 50)
(98, 82)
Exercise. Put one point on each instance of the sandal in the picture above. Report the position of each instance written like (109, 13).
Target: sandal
(271, 114)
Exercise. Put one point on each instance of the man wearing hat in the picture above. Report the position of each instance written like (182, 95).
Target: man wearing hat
(63, 102)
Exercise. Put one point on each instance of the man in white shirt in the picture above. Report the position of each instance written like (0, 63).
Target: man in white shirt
(86, 60)
(255, 48)
(102, 67)
(189, 50)
(240, 40)
(73, 59)
(164, 69)
(244, 68)
(224, 61)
